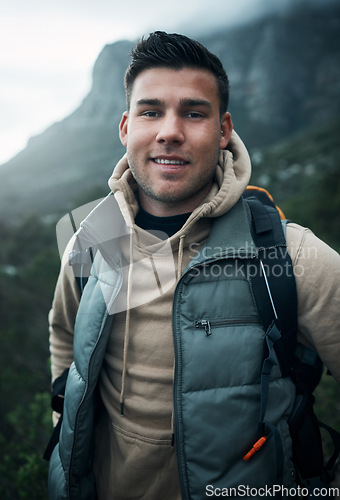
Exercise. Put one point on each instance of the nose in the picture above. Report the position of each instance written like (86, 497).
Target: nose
(171, 130)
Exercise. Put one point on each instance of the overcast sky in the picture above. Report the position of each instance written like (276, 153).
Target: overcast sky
(48, 49)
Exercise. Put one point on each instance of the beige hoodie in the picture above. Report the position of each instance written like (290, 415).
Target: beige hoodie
(133, 456)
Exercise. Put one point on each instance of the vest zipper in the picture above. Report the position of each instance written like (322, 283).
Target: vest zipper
(208, 325)
(177, 389)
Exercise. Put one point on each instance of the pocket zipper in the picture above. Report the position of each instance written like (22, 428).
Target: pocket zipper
(207, 325)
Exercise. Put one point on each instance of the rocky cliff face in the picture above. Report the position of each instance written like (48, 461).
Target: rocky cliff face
(285, 77)
(284, 73)
(105, 101)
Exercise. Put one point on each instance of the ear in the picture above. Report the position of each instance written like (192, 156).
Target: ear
(123, 128)
(226, 130)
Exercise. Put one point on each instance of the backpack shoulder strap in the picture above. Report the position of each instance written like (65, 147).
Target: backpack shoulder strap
(263, 195)
(274, 292)
(273, 286)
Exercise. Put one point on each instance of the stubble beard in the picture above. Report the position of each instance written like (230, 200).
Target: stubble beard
(199, 185)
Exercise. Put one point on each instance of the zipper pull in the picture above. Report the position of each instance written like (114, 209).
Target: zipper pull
(206, 325)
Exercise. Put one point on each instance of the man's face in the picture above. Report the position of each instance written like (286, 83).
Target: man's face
(173, 133)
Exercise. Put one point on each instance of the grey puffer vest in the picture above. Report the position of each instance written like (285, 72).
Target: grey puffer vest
(219, 344)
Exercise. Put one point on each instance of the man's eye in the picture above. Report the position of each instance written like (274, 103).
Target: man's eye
(194, 114)
(151, 114)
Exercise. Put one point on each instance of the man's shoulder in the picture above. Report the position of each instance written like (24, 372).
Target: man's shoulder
(303, 244)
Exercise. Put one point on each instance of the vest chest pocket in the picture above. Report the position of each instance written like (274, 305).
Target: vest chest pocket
(222, 352)
(218, 335)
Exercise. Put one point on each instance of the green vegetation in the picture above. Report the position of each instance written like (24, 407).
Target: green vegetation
(304, 176)
(327, 409)
(29, 264)
(22, 469)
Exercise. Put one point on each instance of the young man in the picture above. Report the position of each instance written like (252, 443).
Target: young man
(164, 395)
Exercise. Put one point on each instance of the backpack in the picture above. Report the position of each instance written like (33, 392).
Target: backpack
(276, 301)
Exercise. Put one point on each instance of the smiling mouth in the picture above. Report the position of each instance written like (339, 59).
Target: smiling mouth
(162, 161)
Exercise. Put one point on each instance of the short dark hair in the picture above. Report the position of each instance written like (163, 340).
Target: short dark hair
(174, 51)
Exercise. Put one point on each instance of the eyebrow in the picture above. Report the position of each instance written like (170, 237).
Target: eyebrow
(186, 102)
(195, 102)
(150, 102)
